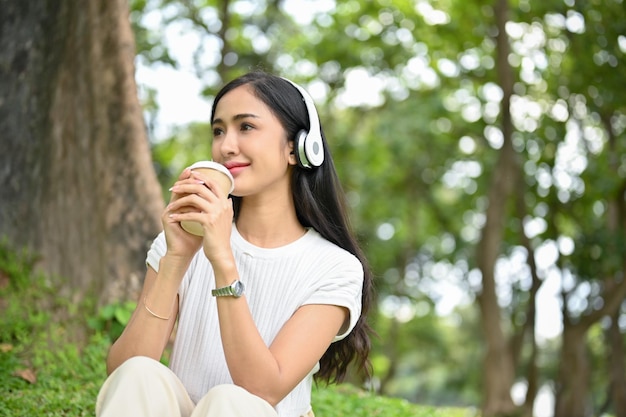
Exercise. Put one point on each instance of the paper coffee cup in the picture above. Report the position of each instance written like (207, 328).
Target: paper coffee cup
(218, 174)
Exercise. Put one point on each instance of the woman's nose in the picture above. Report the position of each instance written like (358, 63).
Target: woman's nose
(228, 144)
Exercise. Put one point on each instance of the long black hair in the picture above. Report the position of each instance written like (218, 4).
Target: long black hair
(320, 203)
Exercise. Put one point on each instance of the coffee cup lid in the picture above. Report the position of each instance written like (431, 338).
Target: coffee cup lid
(217, 166)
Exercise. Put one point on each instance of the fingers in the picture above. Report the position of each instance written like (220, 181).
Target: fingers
(210, 184)
(212, 216)
(194, 199)
(191, 203)
(182, 186)
(191, 185)
(185, 174)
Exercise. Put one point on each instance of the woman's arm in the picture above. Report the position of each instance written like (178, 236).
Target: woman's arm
(151, 324)
(271, 373)
(146, 334)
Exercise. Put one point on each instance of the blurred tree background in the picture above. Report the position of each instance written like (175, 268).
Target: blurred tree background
(482, 146)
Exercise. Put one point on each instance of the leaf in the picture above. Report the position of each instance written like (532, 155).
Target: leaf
(122, 315)
(26, 374)
(6, 347)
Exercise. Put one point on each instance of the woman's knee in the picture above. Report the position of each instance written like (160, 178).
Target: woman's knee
(139, 364)
(134, 374)
(228, 391)
(134, 369)
(142, 384)
(232, 400)
(225, 394)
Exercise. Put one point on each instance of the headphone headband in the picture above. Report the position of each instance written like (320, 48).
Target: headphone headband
(309, 145)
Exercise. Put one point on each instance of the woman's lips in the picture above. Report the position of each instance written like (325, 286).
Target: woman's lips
(235, 167)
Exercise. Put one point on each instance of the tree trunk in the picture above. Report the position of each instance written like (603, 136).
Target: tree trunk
(617, 369)
(572, 384)
(77, 182)
(529, 328)
(572, 390)
(616, 223)
(498, 367)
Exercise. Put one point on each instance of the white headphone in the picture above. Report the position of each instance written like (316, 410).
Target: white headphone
(308, 146)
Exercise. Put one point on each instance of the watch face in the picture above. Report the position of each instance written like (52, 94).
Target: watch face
(238, 289)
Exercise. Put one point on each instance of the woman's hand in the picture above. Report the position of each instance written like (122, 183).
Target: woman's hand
(201, 200)
(179, 242)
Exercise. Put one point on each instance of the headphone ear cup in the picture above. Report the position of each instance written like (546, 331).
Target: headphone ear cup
(314, 149)
(309, 146)
(299, 148)
(309, 149)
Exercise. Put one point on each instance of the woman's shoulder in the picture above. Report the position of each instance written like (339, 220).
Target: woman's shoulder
(327, 251)
(316, 239)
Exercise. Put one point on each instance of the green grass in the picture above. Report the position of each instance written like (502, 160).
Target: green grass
(61, 349)
(67, 381)
(349, 401)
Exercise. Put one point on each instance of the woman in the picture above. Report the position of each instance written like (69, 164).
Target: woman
(275, 292)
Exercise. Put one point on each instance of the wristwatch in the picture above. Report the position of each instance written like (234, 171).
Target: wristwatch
(233, 290)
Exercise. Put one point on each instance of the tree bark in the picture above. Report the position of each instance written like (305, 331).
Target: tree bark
(572, 397)
(529, 328)
(498, 367)
(77, 182)
(616, 367)
(616, 223)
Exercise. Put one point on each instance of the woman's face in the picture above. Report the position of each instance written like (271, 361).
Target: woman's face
(251, 142)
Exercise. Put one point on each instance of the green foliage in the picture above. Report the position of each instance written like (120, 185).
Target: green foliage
(16, 266)
(348, 401)
(27, 298)
(186, 146)
(46, 365)
(148, 41)
(434, 349)
(112, 318)
(67, 379)
(405, 162)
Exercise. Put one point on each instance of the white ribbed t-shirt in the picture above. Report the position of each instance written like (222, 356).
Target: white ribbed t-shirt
(310, 270)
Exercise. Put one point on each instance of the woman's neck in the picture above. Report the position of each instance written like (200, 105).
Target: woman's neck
(268, 225)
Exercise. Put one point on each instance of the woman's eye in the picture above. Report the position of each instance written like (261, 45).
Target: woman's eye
(217, 131)
(246, 126)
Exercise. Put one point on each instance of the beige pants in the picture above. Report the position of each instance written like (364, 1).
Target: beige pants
(144, 387)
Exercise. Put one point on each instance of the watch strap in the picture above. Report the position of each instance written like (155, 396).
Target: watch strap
(222, 292)
(233, 290)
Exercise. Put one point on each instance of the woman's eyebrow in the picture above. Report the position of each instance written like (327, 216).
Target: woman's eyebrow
(237, 117)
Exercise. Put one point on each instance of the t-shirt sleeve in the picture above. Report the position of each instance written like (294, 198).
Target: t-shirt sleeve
(156, 252)
(342, 285)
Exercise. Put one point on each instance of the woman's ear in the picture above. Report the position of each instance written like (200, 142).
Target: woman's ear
(292, 154)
